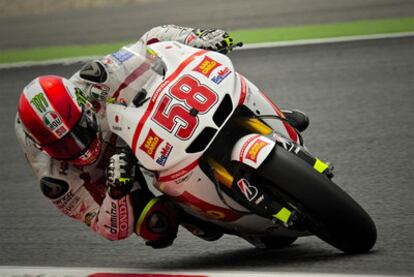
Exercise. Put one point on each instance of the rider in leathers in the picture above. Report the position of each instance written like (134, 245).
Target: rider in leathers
(101, 192)
(108, 193)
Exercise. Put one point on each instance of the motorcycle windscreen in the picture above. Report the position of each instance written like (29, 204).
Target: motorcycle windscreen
(132, 67)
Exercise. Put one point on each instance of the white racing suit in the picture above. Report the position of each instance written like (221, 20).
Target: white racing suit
(80, 192)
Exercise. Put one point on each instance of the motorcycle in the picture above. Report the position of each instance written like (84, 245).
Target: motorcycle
(205, 130)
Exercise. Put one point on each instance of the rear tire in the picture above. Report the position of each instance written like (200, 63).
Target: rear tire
(326, 210)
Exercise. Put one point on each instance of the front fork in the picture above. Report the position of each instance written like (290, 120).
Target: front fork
(247, 156)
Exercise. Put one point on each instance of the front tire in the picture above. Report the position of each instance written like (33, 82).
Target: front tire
(326, 210)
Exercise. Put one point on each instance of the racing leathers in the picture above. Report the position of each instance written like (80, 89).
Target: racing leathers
(81, 191)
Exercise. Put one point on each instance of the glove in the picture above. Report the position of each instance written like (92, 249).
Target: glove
(215, 40)
(119, 175)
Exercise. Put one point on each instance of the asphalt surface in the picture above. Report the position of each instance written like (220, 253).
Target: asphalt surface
(126, 22)
(359, 97)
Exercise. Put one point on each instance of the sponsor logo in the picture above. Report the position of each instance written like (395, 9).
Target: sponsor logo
(122, 55)
(249, 191)
(119, 218)
(67, 203)
(89, 217)
(39, 102)
(255, 149)
(54, 123)
(90, 156)
(99, 92)
(151, 143)
(165, 153)
(117, 123)
(221, 75)
(206, 66)
(182, 180)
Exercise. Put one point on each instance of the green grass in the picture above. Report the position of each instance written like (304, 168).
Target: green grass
(326, 30)
(405, 24)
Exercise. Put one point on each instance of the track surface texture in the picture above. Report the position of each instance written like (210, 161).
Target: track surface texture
(359, 96)
(64, 24)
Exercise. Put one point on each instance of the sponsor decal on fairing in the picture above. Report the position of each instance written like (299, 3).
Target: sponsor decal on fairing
(151, 144)
(221, 75)
(252, 150)
(206, 66)
(255, 149)
(165, 153)
(117, 123)
(248, 190)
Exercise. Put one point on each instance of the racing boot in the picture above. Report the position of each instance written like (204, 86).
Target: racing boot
(299, 120)
(157, 223)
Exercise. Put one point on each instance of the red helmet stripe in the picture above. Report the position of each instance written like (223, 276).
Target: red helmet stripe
(34, 123)
(55, 86)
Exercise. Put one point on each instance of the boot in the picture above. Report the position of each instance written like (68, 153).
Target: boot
(299, 120)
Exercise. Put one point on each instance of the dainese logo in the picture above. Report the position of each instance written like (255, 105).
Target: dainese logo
(206, 66)
(151, 144)
(255, 149)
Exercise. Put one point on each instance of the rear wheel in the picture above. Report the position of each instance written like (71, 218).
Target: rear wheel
(325, 209)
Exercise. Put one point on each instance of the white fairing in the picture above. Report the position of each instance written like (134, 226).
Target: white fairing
(160, 140)
(252, 150)
(181, 105)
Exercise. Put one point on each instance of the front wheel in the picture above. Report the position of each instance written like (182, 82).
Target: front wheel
(326, 210)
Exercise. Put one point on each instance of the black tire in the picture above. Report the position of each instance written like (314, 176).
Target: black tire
(327, 211)
(277, 242)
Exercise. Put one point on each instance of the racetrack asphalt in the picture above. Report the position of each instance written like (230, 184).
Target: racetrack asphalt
(359, 96)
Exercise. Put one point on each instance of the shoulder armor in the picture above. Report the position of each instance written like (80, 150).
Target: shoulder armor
(53, 188)
(94, 71)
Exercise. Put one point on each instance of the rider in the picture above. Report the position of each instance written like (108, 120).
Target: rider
(84, 169)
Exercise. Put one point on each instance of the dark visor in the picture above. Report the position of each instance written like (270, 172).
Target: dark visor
(77, 141)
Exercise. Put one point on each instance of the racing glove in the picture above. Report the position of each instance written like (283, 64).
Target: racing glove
(119, 175)
(215, 40)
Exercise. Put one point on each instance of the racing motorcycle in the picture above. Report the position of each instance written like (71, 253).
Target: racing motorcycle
(205, 131)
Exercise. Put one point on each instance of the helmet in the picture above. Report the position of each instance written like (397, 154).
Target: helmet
(59, 119)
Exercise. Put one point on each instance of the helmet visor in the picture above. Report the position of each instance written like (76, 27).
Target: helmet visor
(77, 141)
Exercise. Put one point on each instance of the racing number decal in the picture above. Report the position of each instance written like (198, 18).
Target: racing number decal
(181, 119)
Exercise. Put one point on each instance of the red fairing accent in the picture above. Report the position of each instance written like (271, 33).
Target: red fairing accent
(34, 123)
(153, 40)
(243, 90)
(60, 101)
(179, 173)
(292, 133)
(132, 77)
(208, 209)
(156, 94)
